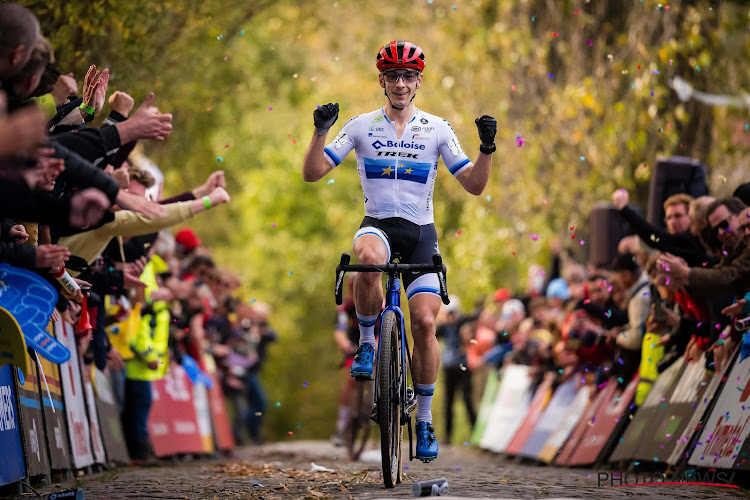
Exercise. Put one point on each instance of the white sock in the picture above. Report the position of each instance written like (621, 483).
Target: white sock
(343, 418)
(367, 329)
(424, 402)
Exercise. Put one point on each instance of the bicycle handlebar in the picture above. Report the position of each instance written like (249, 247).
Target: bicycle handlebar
(437, 267)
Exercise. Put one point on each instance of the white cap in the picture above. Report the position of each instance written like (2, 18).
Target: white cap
(454, 305)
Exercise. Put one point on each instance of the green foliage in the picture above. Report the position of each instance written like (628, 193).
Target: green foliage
(585, 84)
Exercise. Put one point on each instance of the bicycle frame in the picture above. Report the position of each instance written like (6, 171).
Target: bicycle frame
(393, 303)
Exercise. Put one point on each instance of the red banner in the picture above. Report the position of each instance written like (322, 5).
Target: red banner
(588, 419)
(606, 420)
(172, 422)
(222, 427)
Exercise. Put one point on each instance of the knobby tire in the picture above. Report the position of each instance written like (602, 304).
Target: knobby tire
(389, 404)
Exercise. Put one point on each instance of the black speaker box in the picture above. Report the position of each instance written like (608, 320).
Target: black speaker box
(606, 229)
(672, 175)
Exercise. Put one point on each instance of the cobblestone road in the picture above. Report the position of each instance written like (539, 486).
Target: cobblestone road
(282, 470)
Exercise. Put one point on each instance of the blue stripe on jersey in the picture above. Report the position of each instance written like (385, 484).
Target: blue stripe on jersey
(422, 289)
(455, 168)
(332, 156)
(407, 170)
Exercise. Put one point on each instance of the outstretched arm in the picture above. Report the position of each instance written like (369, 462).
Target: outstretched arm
(316, 165)
(474, 179)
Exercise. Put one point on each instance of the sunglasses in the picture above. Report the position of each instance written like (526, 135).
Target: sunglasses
(406, 76)
(722, 225)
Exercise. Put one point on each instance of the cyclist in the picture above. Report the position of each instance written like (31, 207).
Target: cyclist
(346, 336)
(397, 149)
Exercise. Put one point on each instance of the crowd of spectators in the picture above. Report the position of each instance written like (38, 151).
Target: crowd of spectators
(668, 293)
(80, 206)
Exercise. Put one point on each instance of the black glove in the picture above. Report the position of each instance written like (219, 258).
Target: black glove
(325, 116)
(487, 127)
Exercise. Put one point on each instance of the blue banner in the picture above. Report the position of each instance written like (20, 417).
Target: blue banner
(11, 458)
(31, 300)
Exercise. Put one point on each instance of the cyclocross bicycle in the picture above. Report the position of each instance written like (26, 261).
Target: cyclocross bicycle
(394, 398)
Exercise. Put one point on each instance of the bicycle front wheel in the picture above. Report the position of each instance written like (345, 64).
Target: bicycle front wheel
(390, 373)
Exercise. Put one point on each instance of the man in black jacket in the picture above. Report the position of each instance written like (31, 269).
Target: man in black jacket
(677, 239)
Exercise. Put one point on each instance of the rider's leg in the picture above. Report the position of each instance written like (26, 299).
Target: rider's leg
(368, 287)
(370, 247)
(423, 309)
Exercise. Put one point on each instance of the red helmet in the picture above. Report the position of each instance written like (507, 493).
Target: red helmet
(400, 54)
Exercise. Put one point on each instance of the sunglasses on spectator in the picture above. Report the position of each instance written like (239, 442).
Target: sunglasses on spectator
(722, 225)
(406, 76)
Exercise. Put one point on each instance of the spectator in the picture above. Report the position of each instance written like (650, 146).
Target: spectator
(457, 375)
(732, 273)
(633, 281)
(677, 239)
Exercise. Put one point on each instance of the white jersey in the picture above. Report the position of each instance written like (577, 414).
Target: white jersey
(398, 174)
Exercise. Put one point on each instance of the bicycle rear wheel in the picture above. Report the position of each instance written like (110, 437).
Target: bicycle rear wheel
(358, 430)
(389, 402)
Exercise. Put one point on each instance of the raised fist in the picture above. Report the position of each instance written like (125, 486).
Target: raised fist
(487, 128)
(325, 116)
(620, 199)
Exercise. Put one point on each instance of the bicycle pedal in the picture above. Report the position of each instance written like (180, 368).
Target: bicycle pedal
(374, 413)
(425, 460)
(362, 378)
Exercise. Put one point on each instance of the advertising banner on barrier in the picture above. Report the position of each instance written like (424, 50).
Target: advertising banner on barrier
(536, 409)
(203, 412)
(109, 419)
(54, 414)
(671, 418)
(645, 417)
(75, 404)
(510, 406)
(565, 425)
(32, 422)
(562, 400)
(97, 445)
(172, 422)
(608, 420)
(11, 459)
(726, 430)
(701, 399)
(222, 426)
(485, 407)
(587, 419)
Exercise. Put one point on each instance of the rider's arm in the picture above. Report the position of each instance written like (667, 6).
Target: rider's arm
(316, 165)
(474, 178)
